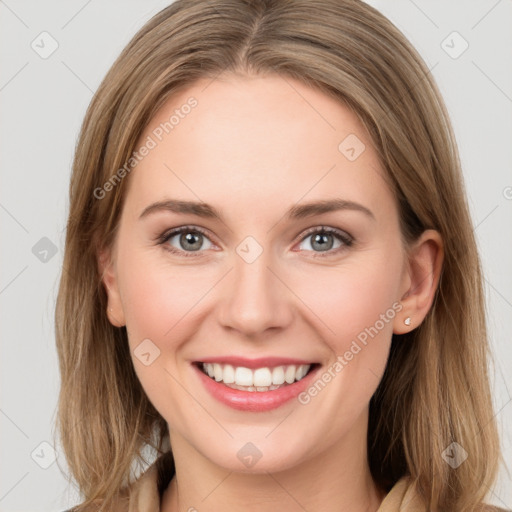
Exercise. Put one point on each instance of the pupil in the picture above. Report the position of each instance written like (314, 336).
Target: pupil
(321, 239)
(193, 240)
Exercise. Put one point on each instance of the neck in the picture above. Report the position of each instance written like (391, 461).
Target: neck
(337, 480)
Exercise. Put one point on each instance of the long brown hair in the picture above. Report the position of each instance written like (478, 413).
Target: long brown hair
(435, 390)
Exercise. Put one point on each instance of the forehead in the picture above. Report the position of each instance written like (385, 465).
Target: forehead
(242, 141)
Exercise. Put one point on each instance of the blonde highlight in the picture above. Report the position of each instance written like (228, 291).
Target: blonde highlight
(436, 386)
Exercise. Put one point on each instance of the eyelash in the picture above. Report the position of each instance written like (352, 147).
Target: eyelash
(346, 239)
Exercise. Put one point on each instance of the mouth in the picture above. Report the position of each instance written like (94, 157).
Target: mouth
(255, 385)
(257, 380)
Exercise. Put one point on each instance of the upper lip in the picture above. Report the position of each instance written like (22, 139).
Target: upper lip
(260, 362)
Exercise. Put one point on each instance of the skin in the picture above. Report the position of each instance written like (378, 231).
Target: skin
(252, 148)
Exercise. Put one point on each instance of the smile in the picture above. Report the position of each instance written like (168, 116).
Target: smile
(255, 385)
(255, 380)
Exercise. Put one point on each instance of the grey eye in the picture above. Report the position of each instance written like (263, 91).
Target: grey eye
(321, 241)
(189, 241)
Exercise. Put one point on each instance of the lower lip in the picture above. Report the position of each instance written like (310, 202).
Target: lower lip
(254, 401)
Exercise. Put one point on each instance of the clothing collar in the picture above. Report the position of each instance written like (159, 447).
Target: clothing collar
(146, 492)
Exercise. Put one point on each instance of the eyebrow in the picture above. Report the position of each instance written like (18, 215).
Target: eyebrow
(300, 211)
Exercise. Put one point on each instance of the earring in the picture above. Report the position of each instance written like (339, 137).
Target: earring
(407, 321)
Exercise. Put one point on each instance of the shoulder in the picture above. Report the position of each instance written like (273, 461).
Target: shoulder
(143, 494)
(403, 497)
(120, 505)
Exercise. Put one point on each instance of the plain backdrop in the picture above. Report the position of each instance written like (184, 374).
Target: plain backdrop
(45, 88)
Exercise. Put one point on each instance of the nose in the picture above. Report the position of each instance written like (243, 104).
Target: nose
(256, 298)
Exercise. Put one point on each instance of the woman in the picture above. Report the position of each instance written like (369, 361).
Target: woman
(271, 275)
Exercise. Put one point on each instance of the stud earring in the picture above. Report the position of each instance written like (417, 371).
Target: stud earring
(407, 321)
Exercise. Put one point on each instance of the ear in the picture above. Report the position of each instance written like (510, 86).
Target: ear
(420, 281)
(107, 270)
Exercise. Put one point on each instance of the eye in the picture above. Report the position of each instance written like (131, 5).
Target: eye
(185, 241)
(326, 240)
(190, 241)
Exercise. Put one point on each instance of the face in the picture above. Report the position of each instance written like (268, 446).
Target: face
(257, 282)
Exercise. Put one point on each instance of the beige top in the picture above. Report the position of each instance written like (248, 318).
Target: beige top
(146, 494)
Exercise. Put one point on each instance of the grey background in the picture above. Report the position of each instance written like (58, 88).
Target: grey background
(43, 101)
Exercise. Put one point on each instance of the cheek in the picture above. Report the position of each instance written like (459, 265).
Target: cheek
(157, 298)
(160, 305)
(348, 309)
(357, 301)
(354, 309)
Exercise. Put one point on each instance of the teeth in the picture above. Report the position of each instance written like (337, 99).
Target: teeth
(289, 374)
(278, 375)
(228, 375)
(260, 379)
(244, 376)
(300, 372)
